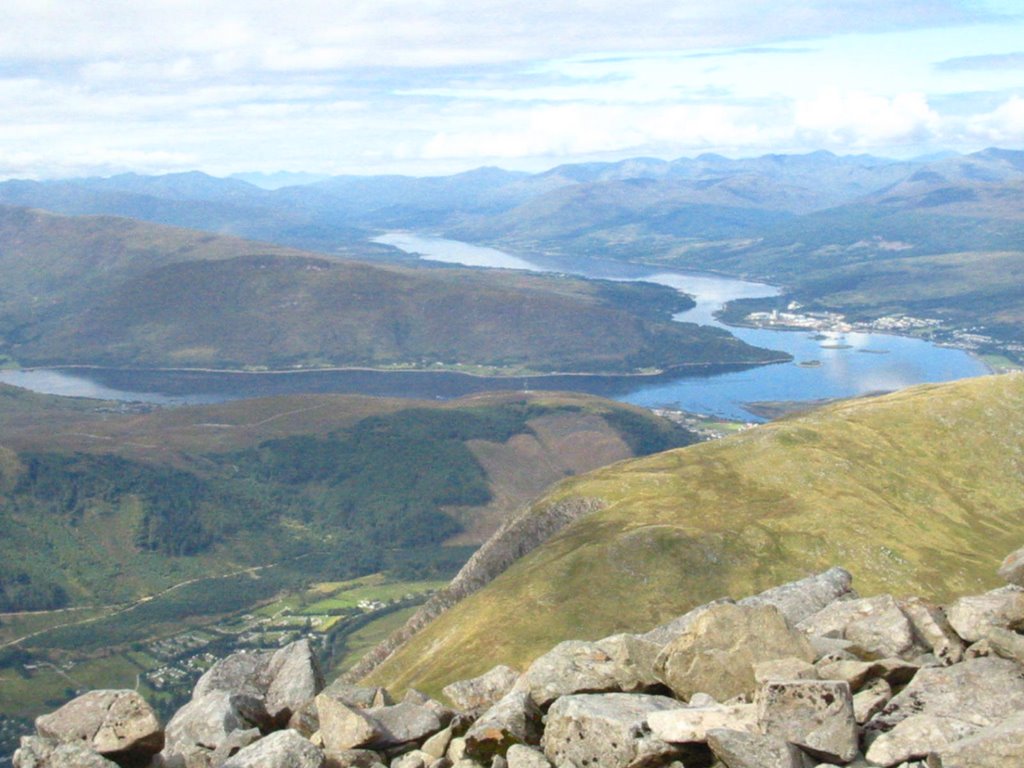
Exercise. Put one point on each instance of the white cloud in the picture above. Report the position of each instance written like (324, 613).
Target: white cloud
(1004, 126)
(863, 120)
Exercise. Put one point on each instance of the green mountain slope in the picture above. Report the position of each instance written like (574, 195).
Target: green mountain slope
(118, 292)
(917, 492)
(126, 504)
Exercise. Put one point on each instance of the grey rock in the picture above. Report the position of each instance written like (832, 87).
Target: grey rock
(240, 672)
(343, 727)
(635, 658)
(800, 599)
(403, 723)
(664, 634)
(606, 730)
(283, 749)
(437, 745)
(306, 719)
(39, 752)
(234, 743)
(784, 669)
(973, 616)
(283, 680)
(691, 724)
(1007, 644)
(831, 648)
(481, 692)
(294, 678)
(107, 721)
(717, 653)
(522, 756)
(353, 758)
(998, 746)
(858, 673)
(575, 666)
(979, 691)
(875, 626)
(916, 737)
(515, 719)
(359, 696)
(457, 749)
(816, 715)
(202, 725)
(934, 629)
(871, 700)
(413, 759)
(1012, 568)
(740, 749)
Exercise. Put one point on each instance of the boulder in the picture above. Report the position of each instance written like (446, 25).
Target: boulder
(915, 738)
(973, 616)
(522, 756)
(481, 692)
(283, 680)
(39, 752)
(858, 673)
(800, 599)
(635, 659)
(240, 672)
(353, 758)
(202, 725)
(816, 715)
(875, 626)
(998, 746)
(871, 700)
(620, 663)
(343, 727)
(283, 749)
(358, 696)
(294, 677)
(234, 743)
(1006, 643)
(414, 759)
(1012, 568)
(934, 629)
(606, 730)
(717, 653)
(437, 745)
(784, 669)
(740, 749)
(109, 722)
(979, 691)
(515, 719)
(691, 724)
(404, 723)
(664, 634)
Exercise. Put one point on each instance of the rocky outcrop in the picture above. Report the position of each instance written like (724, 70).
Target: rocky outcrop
(802, 676)
(516, 538)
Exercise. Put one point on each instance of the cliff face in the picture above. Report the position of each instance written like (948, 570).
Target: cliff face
(801, 674)
(914, 493)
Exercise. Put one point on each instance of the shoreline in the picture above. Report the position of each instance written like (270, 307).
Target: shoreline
(669, 370)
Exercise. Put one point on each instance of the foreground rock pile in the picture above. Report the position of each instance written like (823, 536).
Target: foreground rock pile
(807, 674)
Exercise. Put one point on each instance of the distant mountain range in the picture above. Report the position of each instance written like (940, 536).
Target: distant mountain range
(838, 232)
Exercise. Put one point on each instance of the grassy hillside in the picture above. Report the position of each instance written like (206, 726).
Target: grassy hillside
(916, 492)
(117, 292)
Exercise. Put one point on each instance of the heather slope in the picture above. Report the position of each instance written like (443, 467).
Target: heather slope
(108, 291)
(915, 492)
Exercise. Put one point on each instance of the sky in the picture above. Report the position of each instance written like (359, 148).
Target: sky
(428, 87)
